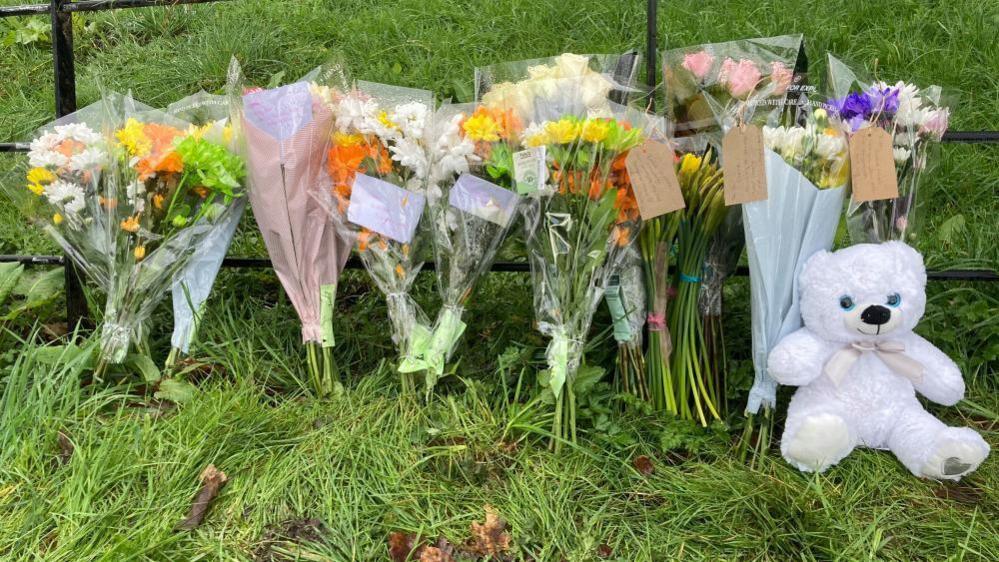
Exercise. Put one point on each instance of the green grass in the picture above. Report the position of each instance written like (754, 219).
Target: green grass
(367, 463)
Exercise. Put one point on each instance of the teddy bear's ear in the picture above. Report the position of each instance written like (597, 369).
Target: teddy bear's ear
(907, 256)
(813, 265)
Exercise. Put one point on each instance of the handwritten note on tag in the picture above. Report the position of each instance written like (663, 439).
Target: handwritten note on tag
(872, 165)
(653, 179)
(742, 165)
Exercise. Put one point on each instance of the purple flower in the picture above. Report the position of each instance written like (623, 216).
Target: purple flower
(883, 100)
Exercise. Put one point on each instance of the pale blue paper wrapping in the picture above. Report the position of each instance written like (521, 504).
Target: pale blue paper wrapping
(192, 286)
(795, 221)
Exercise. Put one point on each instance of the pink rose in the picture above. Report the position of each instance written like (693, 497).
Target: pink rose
(699, 64)
(740, 78)
(780, 77)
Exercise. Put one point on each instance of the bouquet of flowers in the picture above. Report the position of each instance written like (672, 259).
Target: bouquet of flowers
(580, 216)
(209, 115)
(808, 172)
(915, 118)
(379, 162)
(284, 133)
(713, 87)
(472, 204)
(691, 390)
(129, 193)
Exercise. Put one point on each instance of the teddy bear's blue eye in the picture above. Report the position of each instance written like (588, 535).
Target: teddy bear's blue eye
(894, 299)
(846, 303)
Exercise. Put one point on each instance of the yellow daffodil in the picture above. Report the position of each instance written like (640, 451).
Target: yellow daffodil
(482, 128)
(595, 130)
(57, 219)
(140, 252)
(563, 131)
(131, 224)
(133, 137)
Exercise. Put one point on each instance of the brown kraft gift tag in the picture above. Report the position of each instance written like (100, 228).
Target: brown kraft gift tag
(653, 179)
(742, 165)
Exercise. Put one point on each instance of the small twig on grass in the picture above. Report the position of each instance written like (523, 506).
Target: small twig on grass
(212, 480)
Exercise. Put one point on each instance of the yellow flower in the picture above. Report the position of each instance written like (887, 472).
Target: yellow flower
(37, 189)
(131, 224)
(197, 132)
(343, 139)
(595, 130)
(133, 138)
(57, 219)
(482, 128)
(227, 134)
(536, 140)
(563, 131)
(689, 164)
(383, 118)
(140, 252)
(40, 176)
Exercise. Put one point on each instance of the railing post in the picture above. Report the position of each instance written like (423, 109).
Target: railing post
(65, 103)
(652, 50)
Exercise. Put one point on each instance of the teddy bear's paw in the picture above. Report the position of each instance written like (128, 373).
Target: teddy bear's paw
(958, 451)
(821, 441)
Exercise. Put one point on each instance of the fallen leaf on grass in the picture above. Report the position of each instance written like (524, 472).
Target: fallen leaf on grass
(66, 448)
(401, 546)
(490, 538)
(286, 534)
(643, 465)
(212, 480)
(604, 551)
(967, 494)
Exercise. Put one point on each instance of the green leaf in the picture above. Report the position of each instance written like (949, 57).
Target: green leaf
(37, 290)
(586, 378)
(9, 274)
(275, 79)
(76, 357)
(951, 228)
(175, 390)
(397, 68)
(145, 366)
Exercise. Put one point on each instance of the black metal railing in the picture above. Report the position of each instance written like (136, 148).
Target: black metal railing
(61, 14)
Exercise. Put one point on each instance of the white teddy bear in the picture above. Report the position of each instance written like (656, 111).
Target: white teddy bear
(859, 365)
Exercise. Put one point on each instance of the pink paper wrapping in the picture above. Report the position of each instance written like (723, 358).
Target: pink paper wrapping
(299, 234)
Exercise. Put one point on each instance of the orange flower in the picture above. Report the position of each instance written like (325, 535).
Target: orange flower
(362, 239)
(400, 271)
(621, 235)
(155, 163)
(131, 224)
(202, 191)
(344, 161)
(626, 204)
(109, 203)
(158, 200)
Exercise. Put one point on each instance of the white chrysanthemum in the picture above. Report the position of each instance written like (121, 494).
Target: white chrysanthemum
(409, 153)
(90, 159)
(830, 147)
(45, 143)
(452, 151)
(47, 159)
(353, 113)
(910, 105)
(78, 132)
(66, 195)
(901, 154)
(411, 118)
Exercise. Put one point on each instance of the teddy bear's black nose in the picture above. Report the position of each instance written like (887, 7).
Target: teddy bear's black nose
(875, 315)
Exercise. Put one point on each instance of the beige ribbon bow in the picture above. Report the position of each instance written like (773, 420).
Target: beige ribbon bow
(891, 353)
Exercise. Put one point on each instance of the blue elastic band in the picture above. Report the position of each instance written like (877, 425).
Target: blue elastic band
(689, 278)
